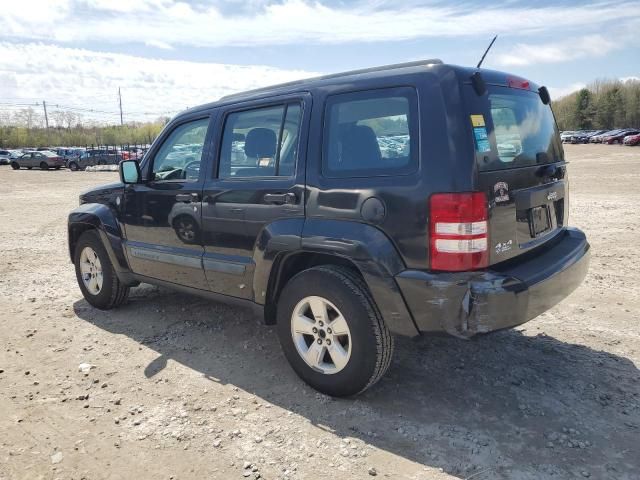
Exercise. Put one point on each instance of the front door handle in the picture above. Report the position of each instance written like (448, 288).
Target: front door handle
(187, 197)
(280, 198)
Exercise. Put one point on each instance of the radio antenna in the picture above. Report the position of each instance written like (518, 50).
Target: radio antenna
(486, 51)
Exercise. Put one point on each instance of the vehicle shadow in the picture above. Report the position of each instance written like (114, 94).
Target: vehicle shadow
(506, 405)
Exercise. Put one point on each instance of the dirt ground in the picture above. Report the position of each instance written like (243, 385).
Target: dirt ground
(183, 388)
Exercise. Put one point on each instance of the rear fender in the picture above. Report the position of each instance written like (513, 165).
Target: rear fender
(363, 245)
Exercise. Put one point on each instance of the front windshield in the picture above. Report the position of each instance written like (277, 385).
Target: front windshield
(519, 130)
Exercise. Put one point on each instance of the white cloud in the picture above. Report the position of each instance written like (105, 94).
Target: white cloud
(174, 22)
(158, 44)
(588, 46)
(150, 87)
(630, 79)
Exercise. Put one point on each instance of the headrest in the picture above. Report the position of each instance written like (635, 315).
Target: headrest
(260, 143)
(360, 147)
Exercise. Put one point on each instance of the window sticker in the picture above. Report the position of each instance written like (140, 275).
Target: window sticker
(482, 139)
(477, 120)
(480, 133)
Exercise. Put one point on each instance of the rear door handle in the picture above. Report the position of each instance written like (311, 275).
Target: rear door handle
(280, 198)
(187, 197)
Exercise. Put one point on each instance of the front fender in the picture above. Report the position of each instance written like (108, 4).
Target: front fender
(103, 219)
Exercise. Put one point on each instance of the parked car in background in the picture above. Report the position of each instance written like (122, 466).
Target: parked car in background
(43, 160)
(135, 153)
(95, 157)
(69, 153)
(618, 137)
(632, 140)
(584, 136)
(598, 138)
(5, 157)
(566, 136)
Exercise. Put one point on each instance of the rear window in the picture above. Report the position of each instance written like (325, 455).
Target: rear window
(512, 128)
(370, 133)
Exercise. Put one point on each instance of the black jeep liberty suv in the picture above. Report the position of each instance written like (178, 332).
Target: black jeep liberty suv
(404, 199)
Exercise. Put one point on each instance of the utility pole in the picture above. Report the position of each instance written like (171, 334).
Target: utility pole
(46, 118)
(120, 101)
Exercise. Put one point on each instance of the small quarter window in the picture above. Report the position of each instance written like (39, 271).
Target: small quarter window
(370, 133)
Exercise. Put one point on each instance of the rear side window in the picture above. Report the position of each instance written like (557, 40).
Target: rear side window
(260, 143)
(371, 133)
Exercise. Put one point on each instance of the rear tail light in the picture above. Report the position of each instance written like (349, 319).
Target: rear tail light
(458, 231)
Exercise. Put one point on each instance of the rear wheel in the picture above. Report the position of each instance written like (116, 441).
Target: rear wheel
(15, 165)
(44, 166)
(96, 277)
(331, 331)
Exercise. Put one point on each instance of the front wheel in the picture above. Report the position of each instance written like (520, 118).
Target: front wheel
(15, 165)
(96, 277)
(331, 331)
(73, 166)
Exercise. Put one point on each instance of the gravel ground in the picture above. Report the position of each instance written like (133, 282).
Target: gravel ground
(177, 387)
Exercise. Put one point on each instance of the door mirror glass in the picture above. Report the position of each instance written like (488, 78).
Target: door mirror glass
(129, 171)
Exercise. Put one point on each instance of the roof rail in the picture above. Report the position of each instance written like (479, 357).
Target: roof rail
(433, 61)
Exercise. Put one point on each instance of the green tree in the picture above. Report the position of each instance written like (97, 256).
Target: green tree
(583, 113)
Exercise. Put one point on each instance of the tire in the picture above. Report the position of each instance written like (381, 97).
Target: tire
(370, 344)
(29, 168)
(44, 166)
(112, 292)
(57, 168)
(73, 166)
(15, 165)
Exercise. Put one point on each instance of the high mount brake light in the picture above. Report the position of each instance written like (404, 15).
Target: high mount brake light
(458, 231)
(521, 83)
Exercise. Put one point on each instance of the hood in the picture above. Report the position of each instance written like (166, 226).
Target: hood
(102, 194)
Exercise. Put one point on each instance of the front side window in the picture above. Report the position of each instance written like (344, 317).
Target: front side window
(370, 133)
(180, 155)
(261, 142)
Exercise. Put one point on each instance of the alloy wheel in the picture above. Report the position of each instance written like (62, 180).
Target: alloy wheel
(321, 335)
(91, 270)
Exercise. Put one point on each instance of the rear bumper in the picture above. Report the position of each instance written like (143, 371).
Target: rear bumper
(467, 303)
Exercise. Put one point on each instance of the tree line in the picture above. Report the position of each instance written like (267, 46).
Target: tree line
(25, 128)
(604, 104)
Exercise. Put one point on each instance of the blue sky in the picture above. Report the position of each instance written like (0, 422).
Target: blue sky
(170, 54)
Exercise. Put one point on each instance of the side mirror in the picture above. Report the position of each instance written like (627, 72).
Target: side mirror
(544, 95)
(129, 172)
